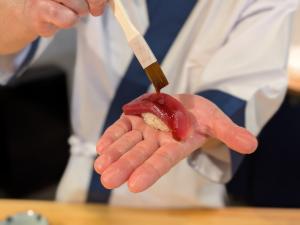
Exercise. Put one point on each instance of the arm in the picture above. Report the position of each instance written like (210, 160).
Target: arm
(23, 22)
(242, 84)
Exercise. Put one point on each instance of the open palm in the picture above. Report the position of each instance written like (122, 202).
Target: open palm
(133, 152)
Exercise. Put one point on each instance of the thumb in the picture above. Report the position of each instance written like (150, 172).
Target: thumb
(235, 137)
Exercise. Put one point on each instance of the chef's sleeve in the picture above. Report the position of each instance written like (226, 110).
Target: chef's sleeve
(12, 66)
(246, 78)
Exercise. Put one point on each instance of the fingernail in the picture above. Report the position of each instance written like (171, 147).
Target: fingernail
(100, 147)
(249, 142)
(103, 162)
(98, 167)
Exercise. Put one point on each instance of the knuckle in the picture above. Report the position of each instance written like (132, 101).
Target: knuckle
(52, 11)
(81, 7)
(118, 126)
(62, 17)
(108, 157)
(114, 152)
(126, 122)
(121, 126)
(135, 134)
(97, 7)
(116, 131)
(166, 157)
(153, 169)
(112, 133)
(68, 19)
(143, 152)
(68, 24)
(114, 156)
(131, 163)
(143, 147)
(46, 30)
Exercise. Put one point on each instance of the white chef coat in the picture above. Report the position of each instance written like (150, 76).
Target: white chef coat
(233, 48)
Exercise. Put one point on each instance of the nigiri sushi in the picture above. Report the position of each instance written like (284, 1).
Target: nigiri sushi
(162, 112)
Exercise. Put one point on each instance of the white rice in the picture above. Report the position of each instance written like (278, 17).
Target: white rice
(155, 122)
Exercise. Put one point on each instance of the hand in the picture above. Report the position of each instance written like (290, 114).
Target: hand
(45, 17)
(22, 21)
(133, 152)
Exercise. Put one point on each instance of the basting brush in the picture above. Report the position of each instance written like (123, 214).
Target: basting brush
(140, 47)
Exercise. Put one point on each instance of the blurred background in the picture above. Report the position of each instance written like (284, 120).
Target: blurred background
(34, 128)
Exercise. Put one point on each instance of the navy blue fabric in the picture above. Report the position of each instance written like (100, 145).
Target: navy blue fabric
(166, 19)
(234, 108)
(270, 177)
(34, 46)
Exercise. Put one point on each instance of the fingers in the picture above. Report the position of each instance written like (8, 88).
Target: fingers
(212, 121)
(235, 137)
(80, 7)
(117, 149)
(120, 171)
(46, 17)
(114, 132)
(156, 166)
(58, 15)
(96, 7)
(83, 7)
(47, 29)
(121, 158)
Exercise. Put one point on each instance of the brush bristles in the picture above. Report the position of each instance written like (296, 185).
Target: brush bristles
(156, 76)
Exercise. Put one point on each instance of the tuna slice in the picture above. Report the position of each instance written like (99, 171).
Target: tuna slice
(162, 112)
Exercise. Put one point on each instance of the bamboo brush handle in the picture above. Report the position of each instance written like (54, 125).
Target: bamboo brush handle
(123, 19)
(136, 41)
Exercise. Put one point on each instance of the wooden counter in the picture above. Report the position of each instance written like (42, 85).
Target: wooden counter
(80, 214)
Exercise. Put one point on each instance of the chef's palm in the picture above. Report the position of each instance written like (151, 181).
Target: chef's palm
(131, 151)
